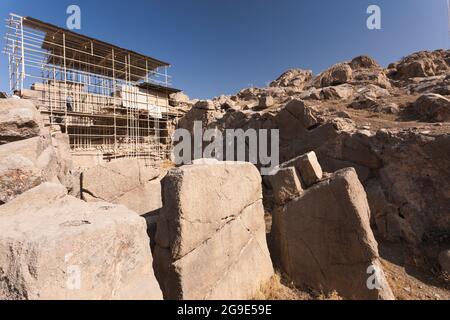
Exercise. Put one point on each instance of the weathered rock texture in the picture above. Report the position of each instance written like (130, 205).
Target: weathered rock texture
(54, 246)
(323, 239)
(433, 107)
(19, 120)
(210, 239)
(393, 148)
(128, 181)
(29, 153)
(286, 184)
(308, 166)
(26, 163)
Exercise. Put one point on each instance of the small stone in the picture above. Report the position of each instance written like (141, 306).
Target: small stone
(286, 185)
(266, 102)
(308, 166)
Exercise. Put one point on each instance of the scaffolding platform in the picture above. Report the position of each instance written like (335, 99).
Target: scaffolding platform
(109, 100)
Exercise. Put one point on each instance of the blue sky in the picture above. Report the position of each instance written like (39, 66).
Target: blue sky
(219, 47)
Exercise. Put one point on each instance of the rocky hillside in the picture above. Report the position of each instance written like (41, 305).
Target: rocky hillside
(392, 125)
(359, 207)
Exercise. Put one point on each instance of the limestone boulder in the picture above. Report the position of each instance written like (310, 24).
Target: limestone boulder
(375, 77)
(421, 64)
(265, 101)
(293, 78)
(26, 163)
(433, 107)
(54, 246)
(127, 181)
(205, 105)
(341, 92)
(308, 166)
(286, 184)
(323, 239)
(302, 113)
(19, 119)
(210, 237)
(178, 98)
(364, 62)
(338, 74)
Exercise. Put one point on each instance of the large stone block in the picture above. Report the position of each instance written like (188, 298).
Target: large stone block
(433, 107)
(127, 181)
(19, 120)
(338, 74)
(54, 246)
(286, 185)
(308, 166)
(26, 163)
(323, 239)
(210, 238)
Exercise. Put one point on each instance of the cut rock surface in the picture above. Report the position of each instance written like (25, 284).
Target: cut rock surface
(210, 239)
(323, 239)
(54, 246)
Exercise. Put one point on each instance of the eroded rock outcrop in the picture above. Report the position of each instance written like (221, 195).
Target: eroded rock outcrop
(363, 123)
(433, 107)
(421, 64)
(19, 120)
(26, 163)
(127, 181)
(30, 153)
(293, 78)
(54, 246)
(210, 238)
(322, 238)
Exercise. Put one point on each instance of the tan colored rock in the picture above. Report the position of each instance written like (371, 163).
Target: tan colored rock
(308, 166)
(33, 95)
(286, 185)
(421, 64)
(302, 113)
(54, 246)
(343, 92)
(210, 239)
(364, 62)
(293, 78)
(19, 119)
(179, 98)
(433, 107)
(338, 74)
(26, 163)
(127, 181)
(265, 102)
(323, 239)
(205, 105)
(144, 199)
(17, 175)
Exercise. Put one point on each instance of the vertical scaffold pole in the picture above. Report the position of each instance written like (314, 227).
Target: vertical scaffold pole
(22, 78)
(114, 101)
(65, 82)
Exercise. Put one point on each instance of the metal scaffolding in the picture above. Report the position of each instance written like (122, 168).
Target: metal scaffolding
(108, 99)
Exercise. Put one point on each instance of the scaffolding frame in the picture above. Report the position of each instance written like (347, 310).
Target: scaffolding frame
(108, 99)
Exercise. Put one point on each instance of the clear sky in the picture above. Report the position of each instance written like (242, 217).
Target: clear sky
(219, 47)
